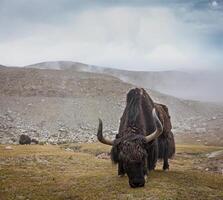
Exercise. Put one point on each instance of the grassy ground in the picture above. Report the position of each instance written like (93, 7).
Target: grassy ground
(74, 172)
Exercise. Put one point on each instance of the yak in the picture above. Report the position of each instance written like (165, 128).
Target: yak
(144, 136)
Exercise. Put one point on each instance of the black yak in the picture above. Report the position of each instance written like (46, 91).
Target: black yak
(136, 147)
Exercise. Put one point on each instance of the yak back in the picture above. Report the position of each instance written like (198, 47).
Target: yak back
(137, 114)
(164, 117)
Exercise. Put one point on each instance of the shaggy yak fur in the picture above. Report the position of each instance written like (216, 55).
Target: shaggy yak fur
(130, 150)
(166, 143)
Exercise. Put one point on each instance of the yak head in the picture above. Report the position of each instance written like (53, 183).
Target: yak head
(131, 155)
(130, 151)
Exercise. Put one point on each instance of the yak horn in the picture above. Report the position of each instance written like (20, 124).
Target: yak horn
(159, 128)
(101, 137)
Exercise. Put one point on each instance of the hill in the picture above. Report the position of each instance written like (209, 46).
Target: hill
(64, 105)
(193, 85)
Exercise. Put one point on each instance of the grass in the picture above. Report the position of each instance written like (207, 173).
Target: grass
(51, 172)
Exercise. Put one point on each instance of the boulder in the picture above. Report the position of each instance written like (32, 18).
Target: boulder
(34, 141)
(24, 139)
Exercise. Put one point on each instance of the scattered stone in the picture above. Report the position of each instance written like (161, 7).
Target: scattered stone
(200, 130)
(215, 154)
(20, 197)
(8, 148)
(34, 141)
(105, 156)
(68, 149)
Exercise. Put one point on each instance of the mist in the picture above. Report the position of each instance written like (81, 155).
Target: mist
(133, 35)
(190, 85)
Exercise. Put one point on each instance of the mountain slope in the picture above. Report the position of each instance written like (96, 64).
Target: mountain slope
(196, 85)
(65, 105)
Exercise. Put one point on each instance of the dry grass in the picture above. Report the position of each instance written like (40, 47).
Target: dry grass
(51, 172)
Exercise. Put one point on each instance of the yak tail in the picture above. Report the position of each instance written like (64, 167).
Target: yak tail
(166, 146)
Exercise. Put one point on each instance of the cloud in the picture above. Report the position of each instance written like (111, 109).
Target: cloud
(214, 4)
(144, 37)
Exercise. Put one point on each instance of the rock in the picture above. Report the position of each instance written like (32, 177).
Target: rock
(24, 139)
(52, 141)
(23, 131)
(215, 154)
(11, 142)
(8, 148)
(114, 132)
(20, 197)
(103, 156)
(200, 130)
(34, 141)
(68, 149)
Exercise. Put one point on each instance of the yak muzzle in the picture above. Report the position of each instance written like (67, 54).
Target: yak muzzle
(137, 183)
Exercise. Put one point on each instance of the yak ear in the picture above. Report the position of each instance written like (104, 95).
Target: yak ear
(115, 152)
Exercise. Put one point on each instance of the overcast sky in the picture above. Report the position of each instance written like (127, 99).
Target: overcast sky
(127, 34)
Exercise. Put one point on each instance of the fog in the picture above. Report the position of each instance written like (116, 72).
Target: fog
(202, 86)
(135, 35)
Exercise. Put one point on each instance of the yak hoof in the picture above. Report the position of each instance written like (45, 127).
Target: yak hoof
(166, 169)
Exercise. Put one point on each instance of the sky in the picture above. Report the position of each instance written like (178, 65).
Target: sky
(126, 34)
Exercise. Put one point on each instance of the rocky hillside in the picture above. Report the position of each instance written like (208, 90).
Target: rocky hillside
(64, 105)
(196, 85)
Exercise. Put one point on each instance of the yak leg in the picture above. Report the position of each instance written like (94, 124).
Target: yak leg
(121, 171)
(165, 154)
(166, 148)
(165, 161)
(163, 151)
(152, 156)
